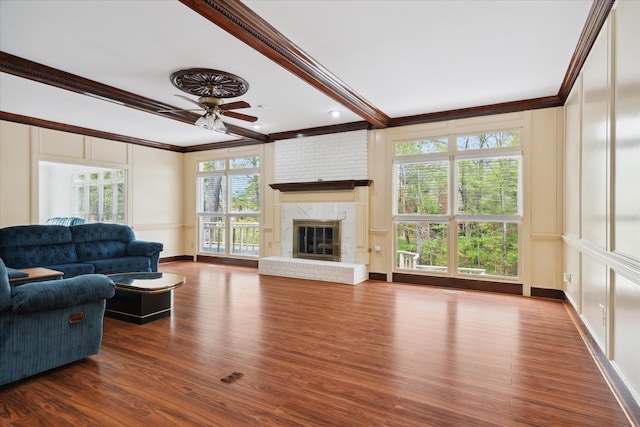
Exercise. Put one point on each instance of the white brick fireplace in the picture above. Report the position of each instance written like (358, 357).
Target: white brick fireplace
(316, 163)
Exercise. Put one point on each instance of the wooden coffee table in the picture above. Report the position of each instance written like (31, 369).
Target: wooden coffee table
(142, 297)
(37, 274)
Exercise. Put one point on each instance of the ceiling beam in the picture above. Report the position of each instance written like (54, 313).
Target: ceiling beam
(24, 68)
(247, 26)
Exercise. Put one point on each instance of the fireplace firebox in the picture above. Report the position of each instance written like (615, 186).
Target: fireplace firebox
(316, 239)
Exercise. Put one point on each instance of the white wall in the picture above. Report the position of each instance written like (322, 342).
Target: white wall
(602, 197)
(155, 199)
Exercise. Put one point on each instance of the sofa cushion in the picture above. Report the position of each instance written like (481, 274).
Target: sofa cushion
(55, 294)
(5, 288)
(34, 235)
(25, 246)
(100, 250)
(128, 264)
(68, 220)
(97, 232)
(74, 269)
(38, 256)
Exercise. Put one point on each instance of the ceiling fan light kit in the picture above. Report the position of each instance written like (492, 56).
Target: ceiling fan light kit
(212, 86)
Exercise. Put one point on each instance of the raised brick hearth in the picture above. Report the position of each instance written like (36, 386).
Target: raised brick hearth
(329, 271)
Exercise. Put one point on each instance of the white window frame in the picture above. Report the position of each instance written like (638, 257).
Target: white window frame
(227, 215)
(453, 217)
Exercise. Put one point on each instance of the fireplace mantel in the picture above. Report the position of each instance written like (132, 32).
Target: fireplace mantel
(347, 184)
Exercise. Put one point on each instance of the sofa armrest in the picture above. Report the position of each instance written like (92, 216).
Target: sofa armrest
(142, 248)
(16, 274)
(55, 294)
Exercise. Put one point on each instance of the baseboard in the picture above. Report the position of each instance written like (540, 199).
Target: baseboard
(453, 282)
(176, 258)
(378, 276)
(548, 293)
(624, 396)
(228, 261)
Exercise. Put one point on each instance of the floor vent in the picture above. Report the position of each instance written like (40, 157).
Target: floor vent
(232, 377)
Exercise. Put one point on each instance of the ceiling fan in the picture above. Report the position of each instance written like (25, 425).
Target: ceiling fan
(212, 86)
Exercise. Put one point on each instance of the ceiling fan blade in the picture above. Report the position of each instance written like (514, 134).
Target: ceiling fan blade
(189, 99)
(235, 105)
(179, 109)
(239, 116)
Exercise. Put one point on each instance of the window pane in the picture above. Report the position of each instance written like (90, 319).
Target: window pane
(489, 140)
(422, 147)
(213, 193)
(421, 246)
(245, 236)
(488, 186)
(245, 190)
(108, 203)
(245, 162)
(213, 165)
(488, 248)
(121, 211)
(422, 188)
(94, 204)
(212, 234)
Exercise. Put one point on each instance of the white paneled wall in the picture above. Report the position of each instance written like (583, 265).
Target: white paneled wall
(602, 201)
(327, 157)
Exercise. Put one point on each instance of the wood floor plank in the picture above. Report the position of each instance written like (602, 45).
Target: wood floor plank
(323, 354)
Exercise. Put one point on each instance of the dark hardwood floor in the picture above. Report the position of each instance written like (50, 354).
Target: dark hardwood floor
(323, 354)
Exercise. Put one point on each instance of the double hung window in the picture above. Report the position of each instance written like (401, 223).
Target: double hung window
(457, 207)
(229, 206)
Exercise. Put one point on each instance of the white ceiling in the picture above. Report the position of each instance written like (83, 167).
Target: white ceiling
(404, 57)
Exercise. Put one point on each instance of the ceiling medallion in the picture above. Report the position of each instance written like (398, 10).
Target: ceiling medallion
(207, 82)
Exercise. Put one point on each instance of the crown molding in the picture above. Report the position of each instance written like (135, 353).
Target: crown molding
(47, 124)
(598, 15)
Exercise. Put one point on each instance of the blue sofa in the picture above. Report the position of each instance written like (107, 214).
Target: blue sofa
(96, 248)
(48, 324)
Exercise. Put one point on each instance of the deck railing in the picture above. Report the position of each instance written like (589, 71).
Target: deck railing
(409, 260)
(245, 238)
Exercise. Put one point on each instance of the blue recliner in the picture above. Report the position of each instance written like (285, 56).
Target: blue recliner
(48, 324)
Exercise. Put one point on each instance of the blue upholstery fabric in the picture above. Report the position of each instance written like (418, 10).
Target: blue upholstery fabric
(78, 249)
(36, 333)
(25, 246)
(5, 288)
(36, 342)
(34, 235)
(67, 220)
(55, 294)
(74, 269)
(36, 256)
(100, 250)
(101, 232)
(14, 274)
(142, 248)
(130, 264)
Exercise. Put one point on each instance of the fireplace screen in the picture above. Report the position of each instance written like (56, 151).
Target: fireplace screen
(316, 239)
